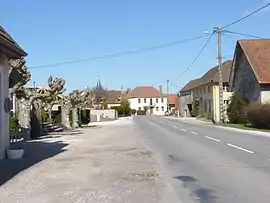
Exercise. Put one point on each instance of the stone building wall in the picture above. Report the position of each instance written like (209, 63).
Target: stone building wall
(245, 81)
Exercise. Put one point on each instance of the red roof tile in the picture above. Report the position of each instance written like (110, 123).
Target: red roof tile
(145, 92)
(257, 52)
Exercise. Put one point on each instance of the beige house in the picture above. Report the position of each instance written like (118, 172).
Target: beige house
(201, 96)
(250, 75)
(9, 49)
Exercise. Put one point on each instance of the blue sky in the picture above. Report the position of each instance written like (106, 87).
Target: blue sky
(55, 31)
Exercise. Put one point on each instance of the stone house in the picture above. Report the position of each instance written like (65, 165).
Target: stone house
(203, 93)
(250, 75)
(148, 97)
(9, 49)
(186, 98)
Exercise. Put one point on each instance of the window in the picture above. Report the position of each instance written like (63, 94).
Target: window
(144, 100)
(162, 100)
(226, 102)
(162, 108)
(157, 108)
(140, 108)
(208, 88)
(139, 100)
(156, 100)
(225, 88)
(151, 101)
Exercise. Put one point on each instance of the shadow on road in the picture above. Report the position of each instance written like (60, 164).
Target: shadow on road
(203, 195)
(34, 152)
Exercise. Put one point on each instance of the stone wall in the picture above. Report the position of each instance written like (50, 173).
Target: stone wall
(185, 98)
(99, 115)
(245, 81)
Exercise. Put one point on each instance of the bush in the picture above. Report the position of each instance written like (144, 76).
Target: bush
(259, 115)
(195, 109)
(133, 111)
(13, 125)
(237, 110)
(105, 104)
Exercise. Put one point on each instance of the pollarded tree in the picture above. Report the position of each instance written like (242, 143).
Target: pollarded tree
(56, 88)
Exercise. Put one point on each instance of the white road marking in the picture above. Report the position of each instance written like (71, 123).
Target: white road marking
(240, 148)
(175, 126)
(183, 129)
(194, 133)
(211, 138)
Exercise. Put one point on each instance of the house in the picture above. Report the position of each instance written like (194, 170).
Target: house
(173, 103)
(9, 49)
(148, 98)
(186, 98)
(113, 98)
(250, 75)
(201, 96)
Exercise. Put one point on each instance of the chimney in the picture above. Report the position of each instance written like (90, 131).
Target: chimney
(160, 89)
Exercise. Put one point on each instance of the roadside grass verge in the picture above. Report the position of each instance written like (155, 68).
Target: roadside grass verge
(243, 127)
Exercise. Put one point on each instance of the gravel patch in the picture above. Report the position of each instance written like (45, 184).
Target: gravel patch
(109, 164)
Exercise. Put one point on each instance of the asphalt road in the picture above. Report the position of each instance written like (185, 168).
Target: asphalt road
(207, 164)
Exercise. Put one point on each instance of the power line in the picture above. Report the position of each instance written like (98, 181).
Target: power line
(178, 86)
(246, 16)
(242, 34)
(196, 57)
(119, 54)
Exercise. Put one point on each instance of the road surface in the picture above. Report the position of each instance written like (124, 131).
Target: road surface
(109, 164)
(208, 164)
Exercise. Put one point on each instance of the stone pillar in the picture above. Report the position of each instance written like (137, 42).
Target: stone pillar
(4, 116)
(75, 118)
(65, 117)
(24, 116)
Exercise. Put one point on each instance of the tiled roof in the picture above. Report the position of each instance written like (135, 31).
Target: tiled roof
(113, 96)
(211, 75)
(145, 92)
(191, 84)
(15, 49)
(257, 52)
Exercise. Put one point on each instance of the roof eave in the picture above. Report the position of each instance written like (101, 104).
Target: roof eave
(11, 50)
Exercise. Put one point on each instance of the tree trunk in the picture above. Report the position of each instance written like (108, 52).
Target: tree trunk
(75, 118)
(36, 127)
(50, 113)
(65, 117)
(24, 107)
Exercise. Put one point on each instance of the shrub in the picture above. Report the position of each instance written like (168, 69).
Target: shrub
(105, 104)
(259, 115)
(13, 125)
(237, 110)
(195, 109)
(133, 111)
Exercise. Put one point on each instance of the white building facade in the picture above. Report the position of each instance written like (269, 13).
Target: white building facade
(9, 49)
(155, 106)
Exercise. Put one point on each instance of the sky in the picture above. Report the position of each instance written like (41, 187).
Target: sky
(58, 31)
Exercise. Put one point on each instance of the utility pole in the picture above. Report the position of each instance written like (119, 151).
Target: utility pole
(168, 95)
(34, 84)
(221, 102)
